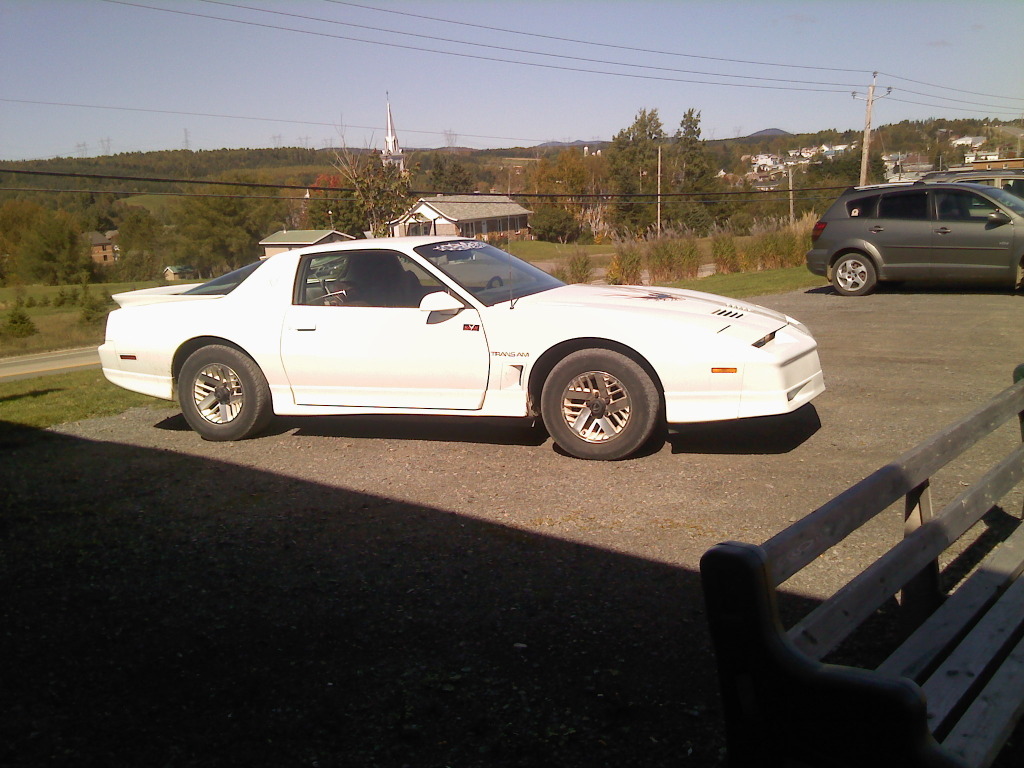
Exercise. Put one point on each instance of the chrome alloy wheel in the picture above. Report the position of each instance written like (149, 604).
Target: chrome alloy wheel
(218, 394)
(596, 406)
(852, 274)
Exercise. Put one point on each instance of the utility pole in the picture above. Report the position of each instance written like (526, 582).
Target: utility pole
(792, 211)
(659, 190)
(867, 128)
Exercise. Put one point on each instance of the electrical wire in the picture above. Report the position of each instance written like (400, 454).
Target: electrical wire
(490, 59)
(494, 47)
(311, 187)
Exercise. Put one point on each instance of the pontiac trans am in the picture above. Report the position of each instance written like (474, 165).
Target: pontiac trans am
(454, 326)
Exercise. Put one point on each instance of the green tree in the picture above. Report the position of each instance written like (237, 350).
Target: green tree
(143, 246)
(554, 224)
(18, 325)
(691, 170)
(221, 232)
(381, 189)
(449, 175)
(17, 219)
(54, 252)
(633, 161)
(330, 208)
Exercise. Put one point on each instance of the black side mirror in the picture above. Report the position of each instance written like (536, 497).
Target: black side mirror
(998, 218)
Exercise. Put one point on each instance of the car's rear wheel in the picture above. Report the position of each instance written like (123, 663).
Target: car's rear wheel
(854, 275)
(224, 394)
(599, 404)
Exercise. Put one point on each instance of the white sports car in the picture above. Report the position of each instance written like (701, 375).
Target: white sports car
(453, 326)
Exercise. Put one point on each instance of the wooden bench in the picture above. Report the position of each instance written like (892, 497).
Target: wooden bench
(951, 690)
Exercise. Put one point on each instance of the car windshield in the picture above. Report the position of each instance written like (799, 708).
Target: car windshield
(490, 274)
(1008, 200)
(225, 284)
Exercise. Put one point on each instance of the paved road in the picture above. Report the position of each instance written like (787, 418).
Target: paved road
(46, 363)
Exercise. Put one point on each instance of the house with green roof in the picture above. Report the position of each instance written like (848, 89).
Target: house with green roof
(478, 216)
(289, 239)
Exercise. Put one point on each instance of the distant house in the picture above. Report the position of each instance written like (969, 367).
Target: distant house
(179, 273)
(103, 247)
(465, 216)
(287, 240)
(968, 141)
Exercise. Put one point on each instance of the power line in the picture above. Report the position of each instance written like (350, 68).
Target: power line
(492, 47)
(591, 199)
(245, 117)
(660, 52)
(312, 187)
(603, 45)
(491, 59)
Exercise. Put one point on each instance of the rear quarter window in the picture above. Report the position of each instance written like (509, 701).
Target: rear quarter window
(862, 206)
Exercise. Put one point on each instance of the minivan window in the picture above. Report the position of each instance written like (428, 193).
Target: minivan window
(862, 206)
(904, 205)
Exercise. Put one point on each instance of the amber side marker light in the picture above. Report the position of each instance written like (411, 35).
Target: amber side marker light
(724, 370)
(129, 357)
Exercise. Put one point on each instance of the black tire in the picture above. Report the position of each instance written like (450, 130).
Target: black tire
(599, 404)
(854, 274)
(224, 394)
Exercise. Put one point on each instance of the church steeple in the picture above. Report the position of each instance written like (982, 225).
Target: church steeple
(392, 151)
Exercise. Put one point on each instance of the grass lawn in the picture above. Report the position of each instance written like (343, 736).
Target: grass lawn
(47, 400)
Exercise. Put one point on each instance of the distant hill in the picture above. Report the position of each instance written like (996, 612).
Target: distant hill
(769, 132)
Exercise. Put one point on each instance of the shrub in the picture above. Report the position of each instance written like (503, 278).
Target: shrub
(724, 254)
(18, 324)
(94, 308)
(580, 267)
(627, 264)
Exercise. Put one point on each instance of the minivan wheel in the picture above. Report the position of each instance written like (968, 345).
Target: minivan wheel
(854, 275)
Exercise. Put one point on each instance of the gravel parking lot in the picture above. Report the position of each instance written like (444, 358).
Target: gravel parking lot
(406, 591)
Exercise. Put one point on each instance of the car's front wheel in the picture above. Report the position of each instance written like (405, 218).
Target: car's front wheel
(854, 275)
(599, 404)
(224, 394)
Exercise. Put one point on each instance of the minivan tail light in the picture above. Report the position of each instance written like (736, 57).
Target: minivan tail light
(818, 229)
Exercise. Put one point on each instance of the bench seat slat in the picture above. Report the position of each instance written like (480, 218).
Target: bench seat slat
(794, 547)
(829, 624)
(969, 662)
(930, 640)
(988, 723)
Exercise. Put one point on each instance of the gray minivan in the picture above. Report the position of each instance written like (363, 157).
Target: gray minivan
(939, 231)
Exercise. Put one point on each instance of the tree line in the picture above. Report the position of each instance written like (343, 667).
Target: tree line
(575, 195)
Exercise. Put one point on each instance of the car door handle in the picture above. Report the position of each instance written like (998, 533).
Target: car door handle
(876, 229)
(943, 231)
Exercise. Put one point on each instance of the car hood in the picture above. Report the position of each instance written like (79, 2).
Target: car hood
(715, 312)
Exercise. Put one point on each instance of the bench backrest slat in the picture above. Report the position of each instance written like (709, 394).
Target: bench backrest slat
(970, 662)
(942, 628)
(831, 622)
(793, 548)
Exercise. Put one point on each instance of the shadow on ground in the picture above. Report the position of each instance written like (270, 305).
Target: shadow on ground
(163, 610)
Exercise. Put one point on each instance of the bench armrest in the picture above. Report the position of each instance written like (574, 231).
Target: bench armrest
(781, 706)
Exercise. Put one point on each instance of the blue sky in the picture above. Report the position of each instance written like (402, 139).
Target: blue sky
(91, 77)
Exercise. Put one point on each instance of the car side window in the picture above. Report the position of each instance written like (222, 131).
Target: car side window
(954, 205)
(911, 204)
(1016, 186)
(368, 278)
